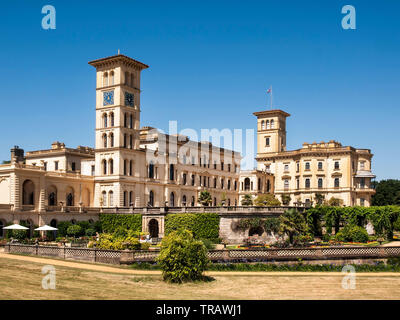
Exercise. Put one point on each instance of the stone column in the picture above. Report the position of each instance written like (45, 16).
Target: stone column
(16, 192)
(42, 194)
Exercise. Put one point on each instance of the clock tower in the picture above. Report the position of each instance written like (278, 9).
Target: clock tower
(117, 129)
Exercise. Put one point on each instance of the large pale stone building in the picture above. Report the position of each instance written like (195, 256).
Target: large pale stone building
(326, 168)
(140, 167)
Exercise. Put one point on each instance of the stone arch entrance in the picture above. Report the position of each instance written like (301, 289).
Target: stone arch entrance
(256, 231)
(153, 228)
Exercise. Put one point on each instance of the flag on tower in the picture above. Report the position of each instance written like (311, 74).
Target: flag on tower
(269, 90)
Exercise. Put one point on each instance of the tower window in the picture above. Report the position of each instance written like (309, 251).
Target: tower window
(105, 79)
(112, 78)
(268, 124)
(272, 124)
(262, 125)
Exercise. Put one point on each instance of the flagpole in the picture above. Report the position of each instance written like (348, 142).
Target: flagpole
(271, 97)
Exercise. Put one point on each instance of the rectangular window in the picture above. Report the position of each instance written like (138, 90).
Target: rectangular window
(307, 166)
(229, 167)
(362, 165)
(55, 165)
(286, 168)
(362, 202)
(286, 184)
(215, 164)
(267, 141)
(320, 165)
(93, 170)
(337, 165)
(222, 166)
(297, 166)
(45, 166)
(297, 183)
(73, 166)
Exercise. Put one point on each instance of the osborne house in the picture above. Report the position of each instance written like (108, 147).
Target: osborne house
(135, 169)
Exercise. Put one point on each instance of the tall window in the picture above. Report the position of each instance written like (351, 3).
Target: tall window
(104, 165)
(337, 183)
(111, 165)
(262, 125)
(184, 179)
(127, 78)
(320, 183)
(307, 166)
(307, 184)
(112, 78)
(130, 198)
(105, 120)
(105, 79)
(151, 170)
(125, 167)
(55, 165)
(193, 178)
(172, 199)
(111, 139)
(130, 167)
(104, 140)
(125, 140)
(337, 165)
(171, 172)
(268, 124)
(320, 165)
(272, 124)
(112, 119)
(286, 183)
(151, 198)
(247, 184)
(104, 197)
(110, 198)
(267, 141)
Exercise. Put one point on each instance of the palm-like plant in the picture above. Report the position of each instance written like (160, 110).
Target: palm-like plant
(205, 198)
(292, 223)
(247, 200)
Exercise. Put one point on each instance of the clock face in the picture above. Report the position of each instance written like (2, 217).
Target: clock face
(128, 99)
(108, 98)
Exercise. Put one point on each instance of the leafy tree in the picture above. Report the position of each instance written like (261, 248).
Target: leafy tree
(74, 230)
(182, 258)
(268, 200)
(247, 200)
(387, 193)
(286, 199)
(335, 202)
(319, 198)
(223, 198)
(205, 198)
(292, 223)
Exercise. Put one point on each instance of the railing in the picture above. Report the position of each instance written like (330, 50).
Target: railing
(237, 255)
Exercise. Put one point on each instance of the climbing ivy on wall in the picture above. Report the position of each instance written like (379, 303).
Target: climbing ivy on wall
(202, 225)
(111, 222)
(382, 218)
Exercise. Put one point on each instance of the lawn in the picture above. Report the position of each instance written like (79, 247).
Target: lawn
(22, 280)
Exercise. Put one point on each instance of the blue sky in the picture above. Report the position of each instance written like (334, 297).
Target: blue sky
(210, 65)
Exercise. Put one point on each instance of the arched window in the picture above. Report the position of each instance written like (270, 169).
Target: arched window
(184, 200)
(172, 199)
(52, 196)
(151, 198)
(104, 198)
(229, 184)
(131, 121)
(70, 199)
(104, 120)
(111, 166)
(262, 125)
(307, 183)
(247, 184)
(272, 124)
(320, 182)
(110, 198)
(104, 165)
(127, 78)
(28, 192)
(111, 139)
(112, 119)
(112, 78)
(268, 186)
(104, 140)
(105, 79)
(193, 178)
(215, 182)
(268, 124)
(184, 179)
(192, 203)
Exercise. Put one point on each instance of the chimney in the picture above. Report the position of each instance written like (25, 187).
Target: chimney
(17, 155)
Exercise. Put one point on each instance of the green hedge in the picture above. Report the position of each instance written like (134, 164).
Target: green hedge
(202, 225)
(382, 218)
(111, 222)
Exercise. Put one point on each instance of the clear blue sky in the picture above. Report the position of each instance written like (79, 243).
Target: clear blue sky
(210, 65)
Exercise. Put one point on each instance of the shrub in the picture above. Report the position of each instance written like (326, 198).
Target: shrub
(202, 225)
(62, 228)
(182, 258)
(396, 224)
(74, 230)
(90, 232)
(208, 244)
(268, 200)
(110, 222)
(145, 246)
(352, 233)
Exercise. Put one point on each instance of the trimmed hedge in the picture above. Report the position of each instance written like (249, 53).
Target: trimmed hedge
(111, 222)
(202, 225)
